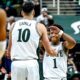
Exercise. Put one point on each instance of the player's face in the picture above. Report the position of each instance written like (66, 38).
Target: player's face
(54, 37)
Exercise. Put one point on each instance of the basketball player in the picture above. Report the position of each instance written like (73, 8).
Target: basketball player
(3, 19)
(25, 36)
(55, 68)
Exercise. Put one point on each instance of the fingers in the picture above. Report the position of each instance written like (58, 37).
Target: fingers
(54, 29)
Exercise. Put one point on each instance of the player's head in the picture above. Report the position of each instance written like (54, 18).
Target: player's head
(3, 19)
(28, 9)
(55, 36)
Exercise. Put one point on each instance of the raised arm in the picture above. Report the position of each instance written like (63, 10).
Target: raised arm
(69, 41)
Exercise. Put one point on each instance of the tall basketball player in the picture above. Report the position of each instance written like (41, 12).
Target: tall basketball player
(25, 36)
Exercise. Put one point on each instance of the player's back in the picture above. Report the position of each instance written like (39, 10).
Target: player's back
(25, 39)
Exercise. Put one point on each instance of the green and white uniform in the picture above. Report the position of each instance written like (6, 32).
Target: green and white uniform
(55, 68)
(25, 40)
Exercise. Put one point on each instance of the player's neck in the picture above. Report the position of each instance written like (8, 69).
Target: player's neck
(55, 43)
(28, 17)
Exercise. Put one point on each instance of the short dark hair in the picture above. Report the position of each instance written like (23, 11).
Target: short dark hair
(27, 7)
(59, 26)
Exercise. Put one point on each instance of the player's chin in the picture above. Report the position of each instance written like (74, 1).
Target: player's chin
(53, 39)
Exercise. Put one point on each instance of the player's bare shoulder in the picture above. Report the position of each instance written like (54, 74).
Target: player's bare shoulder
(41, 28)
(3, 19)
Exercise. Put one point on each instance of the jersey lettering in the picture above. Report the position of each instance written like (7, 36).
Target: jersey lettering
(55, 65)
(60, 53)
(23, 35)
(25, 23)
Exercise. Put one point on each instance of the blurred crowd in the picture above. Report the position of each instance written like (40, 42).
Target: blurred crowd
(12, 8)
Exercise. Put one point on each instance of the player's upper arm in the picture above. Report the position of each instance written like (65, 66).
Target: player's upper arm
(69, 41)
(44, 38)
(69, 45)
(42, 32)
(10, 37)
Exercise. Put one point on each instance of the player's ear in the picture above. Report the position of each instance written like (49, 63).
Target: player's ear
(22, 13)
(33, 12)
